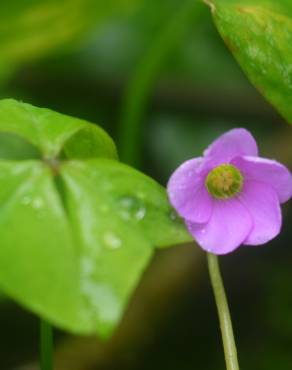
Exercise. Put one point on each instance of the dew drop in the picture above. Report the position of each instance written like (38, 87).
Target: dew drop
(38, 203)
(131, 208)
(173, 216)
(102, 299)
(140, 214)
(112, 241)
(128, 202)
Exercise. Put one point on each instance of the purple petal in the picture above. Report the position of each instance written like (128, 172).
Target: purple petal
(188, 194)
(262, 202)
(236, 142)
(227, 228)
(267, 171)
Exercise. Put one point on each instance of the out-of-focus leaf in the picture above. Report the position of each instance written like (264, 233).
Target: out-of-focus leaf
(30, 29)
(259, 34)
(123, 43)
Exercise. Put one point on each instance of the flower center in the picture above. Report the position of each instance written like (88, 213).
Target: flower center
(224, 181)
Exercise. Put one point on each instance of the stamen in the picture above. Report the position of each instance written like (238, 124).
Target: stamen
(224, 181)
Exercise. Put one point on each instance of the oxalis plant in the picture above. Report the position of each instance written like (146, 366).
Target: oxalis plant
(78, 227)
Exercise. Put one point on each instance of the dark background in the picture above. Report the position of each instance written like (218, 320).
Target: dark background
(88, 59)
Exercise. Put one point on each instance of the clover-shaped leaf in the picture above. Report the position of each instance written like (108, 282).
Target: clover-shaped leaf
(51, 132)
(77, 227)
(259, 34)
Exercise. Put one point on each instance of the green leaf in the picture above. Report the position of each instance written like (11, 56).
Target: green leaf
(112, 254)
(134, 198)
(72, 269)
(76, 233)
(13, 146)
(38, 265)
(90, 142)
(118, 216)
(74, 247)
(259, 34)
(48, 130)
(32, 29)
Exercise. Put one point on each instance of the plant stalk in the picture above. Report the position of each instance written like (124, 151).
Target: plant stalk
(142, 84)
(229, 345)
(46, 345)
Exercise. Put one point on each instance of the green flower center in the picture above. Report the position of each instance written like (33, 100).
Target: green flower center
(224, 181)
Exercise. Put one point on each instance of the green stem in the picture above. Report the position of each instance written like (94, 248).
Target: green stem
(46, 346)
(223, 312)
(140, 87)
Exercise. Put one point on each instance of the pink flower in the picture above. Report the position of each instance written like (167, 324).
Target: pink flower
(230, 196)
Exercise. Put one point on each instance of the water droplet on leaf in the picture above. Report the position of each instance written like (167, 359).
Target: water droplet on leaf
(102, 300)
(173, 216)
(111, 240)
(131, 208)
(37, 203)
(140, 214)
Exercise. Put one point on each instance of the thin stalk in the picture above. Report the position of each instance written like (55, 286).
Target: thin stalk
(229, 345)
(140, 87)
(46, 345)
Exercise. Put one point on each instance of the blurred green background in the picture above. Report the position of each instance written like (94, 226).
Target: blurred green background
(157, 76)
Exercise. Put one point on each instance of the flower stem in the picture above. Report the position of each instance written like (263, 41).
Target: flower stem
(229, 345)
(46, 346)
